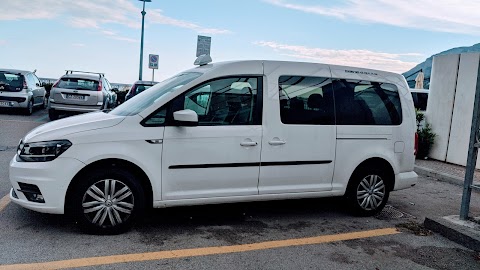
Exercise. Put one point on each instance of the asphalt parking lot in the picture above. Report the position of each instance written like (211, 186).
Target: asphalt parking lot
(298, 234)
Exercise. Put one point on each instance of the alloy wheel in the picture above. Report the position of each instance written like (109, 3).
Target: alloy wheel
(371, 192)
(108, 203)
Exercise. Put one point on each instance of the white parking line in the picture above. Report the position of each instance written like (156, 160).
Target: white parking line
(4, 202)
(19, 121)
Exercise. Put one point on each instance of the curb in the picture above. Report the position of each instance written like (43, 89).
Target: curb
(456, 233)
(455, 180)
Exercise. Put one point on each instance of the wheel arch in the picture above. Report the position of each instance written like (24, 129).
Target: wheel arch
(377, 163)
(112, 163)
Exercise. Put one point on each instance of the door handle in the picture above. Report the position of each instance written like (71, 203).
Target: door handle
(277, 142)
(248, 143)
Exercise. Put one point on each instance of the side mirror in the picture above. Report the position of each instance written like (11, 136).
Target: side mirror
(186, 118)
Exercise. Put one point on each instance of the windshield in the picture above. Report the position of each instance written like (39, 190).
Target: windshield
(145, 99)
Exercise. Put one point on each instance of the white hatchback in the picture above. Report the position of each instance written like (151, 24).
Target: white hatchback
(221, 133)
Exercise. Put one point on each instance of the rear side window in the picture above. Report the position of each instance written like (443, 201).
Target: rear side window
(366, 103)
(420, 101)
(78, 84)
(140, 88)
(306, 100)
(36, 80)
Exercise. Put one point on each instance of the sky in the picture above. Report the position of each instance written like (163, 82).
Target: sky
(104, 35)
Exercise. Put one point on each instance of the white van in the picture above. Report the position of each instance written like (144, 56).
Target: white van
(221, 133)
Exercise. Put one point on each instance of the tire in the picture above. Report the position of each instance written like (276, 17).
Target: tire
(362, 198)
(112, 213)
(52, 114)
(29, 109)
(44, 104)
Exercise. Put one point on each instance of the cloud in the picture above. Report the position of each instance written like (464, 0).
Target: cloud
(116, 36)
(3, 42)
(78, 45)
(18, 10)
(93, 14)
(84, 23)
(359, 58)
(156, 16)
(432, 15)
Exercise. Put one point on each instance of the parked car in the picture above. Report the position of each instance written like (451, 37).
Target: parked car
(21, 89)
(80, 91)
(138, 87)
(223, 133)
(420, 98)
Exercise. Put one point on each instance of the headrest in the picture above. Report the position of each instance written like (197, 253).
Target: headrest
(315, 101)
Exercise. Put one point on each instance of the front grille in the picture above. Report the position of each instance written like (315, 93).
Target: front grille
(17, 99)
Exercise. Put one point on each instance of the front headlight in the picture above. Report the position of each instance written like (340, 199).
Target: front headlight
(41, 151)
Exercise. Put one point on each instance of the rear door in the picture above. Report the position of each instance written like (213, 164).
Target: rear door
(77, 91)
(31, 86)
(39, 91)
(298, 145)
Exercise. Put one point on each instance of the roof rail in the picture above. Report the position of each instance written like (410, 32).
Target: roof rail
(79, 71)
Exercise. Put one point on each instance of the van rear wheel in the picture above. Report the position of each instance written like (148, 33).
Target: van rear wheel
(368, 192)
(107, 201)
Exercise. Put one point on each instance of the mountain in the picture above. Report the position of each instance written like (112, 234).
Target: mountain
(427, 65)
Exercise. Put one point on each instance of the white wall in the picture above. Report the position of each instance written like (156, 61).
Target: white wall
(440, 101)
(463, 109)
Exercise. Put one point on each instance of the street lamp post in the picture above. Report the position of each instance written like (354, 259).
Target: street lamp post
(141, 41)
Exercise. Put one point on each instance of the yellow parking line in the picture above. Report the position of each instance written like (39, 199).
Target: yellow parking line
(4, 202)
(175, 254)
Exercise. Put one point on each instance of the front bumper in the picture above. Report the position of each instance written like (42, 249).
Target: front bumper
(405, 180)
(52, 178)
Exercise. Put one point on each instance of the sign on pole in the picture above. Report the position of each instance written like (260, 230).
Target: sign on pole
(203, 45)
(153, 61)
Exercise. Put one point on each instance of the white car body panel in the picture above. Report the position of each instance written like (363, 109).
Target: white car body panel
(80, 123)
(201, 145)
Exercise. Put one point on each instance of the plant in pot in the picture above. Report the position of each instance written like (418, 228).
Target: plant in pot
(426, 137)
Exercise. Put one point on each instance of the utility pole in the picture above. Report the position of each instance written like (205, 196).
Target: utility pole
(141, 41)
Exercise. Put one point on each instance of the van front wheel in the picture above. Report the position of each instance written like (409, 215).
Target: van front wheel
(107, 202)
(368, 192)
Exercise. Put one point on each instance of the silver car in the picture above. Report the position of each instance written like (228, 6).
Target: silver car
(80, 91)
(21, 89)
